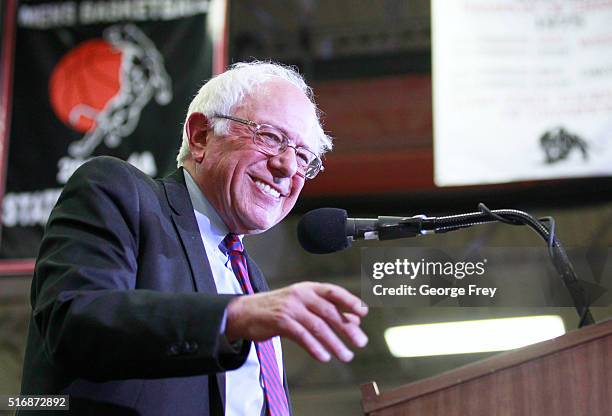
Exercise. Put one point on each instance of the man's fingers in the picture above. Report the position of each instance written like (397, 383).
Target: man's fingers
(320, 329)
(313, 315)
(342, 298)
(298, 333)
(351, 318)
(344, 323)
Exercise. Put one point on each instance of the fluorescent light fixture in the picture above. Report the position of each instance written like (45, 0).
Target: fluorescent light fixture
(472, 336)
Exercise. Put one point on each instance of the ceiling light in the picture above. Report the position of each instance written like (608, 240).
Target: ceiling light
(466, 337)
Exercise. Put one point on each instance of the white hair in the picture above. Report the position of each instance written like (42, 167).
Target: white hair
(223, 92)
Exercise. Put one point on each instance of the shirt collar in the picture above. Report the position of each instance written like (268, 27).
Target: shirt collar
(216, 227)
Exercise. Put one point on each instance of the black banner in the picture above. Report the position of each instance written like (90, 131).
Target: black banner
(96, 78)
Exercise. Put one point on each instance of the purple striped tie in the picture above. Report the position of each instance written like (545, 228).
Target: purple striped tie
(274, 393)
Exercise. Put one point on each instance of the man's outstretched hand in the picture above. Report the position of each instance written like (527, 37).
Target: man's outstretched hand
(311, 314)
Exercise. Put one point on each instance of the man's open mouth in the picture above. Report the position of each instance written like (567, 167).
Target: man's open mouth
(266, 188)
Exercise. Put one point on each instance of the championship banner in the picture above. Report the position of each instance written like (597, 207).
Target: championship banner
(522, 90)
(99, 77)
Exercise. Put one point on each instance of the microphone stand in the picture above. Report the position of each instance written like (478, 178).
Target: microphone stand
(417, 225)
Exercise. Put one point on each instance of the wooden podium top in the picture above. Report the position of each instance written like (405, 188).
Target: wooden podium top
(375, 401)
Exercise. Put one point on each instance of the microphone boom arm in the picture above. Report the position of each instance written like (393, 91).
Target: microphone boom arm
(413, 226)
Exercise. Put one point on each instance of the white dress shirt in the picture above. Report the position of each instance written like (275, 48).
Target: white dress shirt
(243, 386)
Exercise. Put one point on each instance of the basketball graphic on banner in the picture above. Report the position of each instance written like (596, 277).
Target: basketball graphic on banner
(100, 87)
(83, 81)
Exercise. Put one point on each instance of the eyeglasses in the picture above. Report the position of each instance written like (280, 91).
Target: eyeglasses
(272, 141)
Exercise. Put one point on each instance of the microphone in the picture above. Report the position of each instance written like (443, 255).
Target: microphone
(327, 230)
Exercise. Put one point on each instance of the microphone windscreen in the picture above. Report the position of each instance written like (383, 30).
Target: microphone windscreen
(323, 231)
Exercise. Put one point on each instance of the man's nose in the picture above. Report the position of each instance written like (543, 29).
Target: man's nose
(284, 164)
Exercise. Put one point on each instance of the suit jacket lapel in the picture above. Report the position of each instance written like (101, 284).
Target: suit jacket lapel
(188, 231)
(191, 240)
(257, 280)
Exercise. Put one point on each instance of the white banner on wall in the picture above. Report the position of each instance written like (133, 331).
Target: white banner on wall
(522, 90)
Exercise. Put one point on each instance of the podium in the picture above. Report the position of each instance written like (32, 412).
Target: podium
(566, 376)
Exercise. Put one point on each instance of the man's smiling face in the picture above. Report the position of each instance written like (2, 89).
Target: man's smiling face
(250, 190)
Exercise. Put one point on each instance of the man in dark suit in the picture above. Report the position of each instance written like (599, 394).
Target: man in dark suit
(136, 297)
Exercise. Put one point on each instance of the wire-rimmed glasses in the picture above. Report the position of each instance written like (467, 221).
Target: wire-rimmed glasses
(273, 141)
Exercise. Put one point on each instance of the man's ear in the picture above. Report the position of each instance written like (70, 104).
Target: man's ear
(197, 128)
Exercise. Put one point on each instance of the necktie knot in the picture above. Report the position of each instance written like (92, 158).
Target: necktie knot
(233, 243)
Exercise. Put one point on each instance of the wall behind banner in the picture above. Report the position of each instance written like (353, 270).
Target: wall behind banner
(94, 78)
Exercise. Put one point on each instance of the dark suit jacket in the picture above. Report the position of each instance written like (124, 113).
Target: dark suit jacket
(125, 314)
